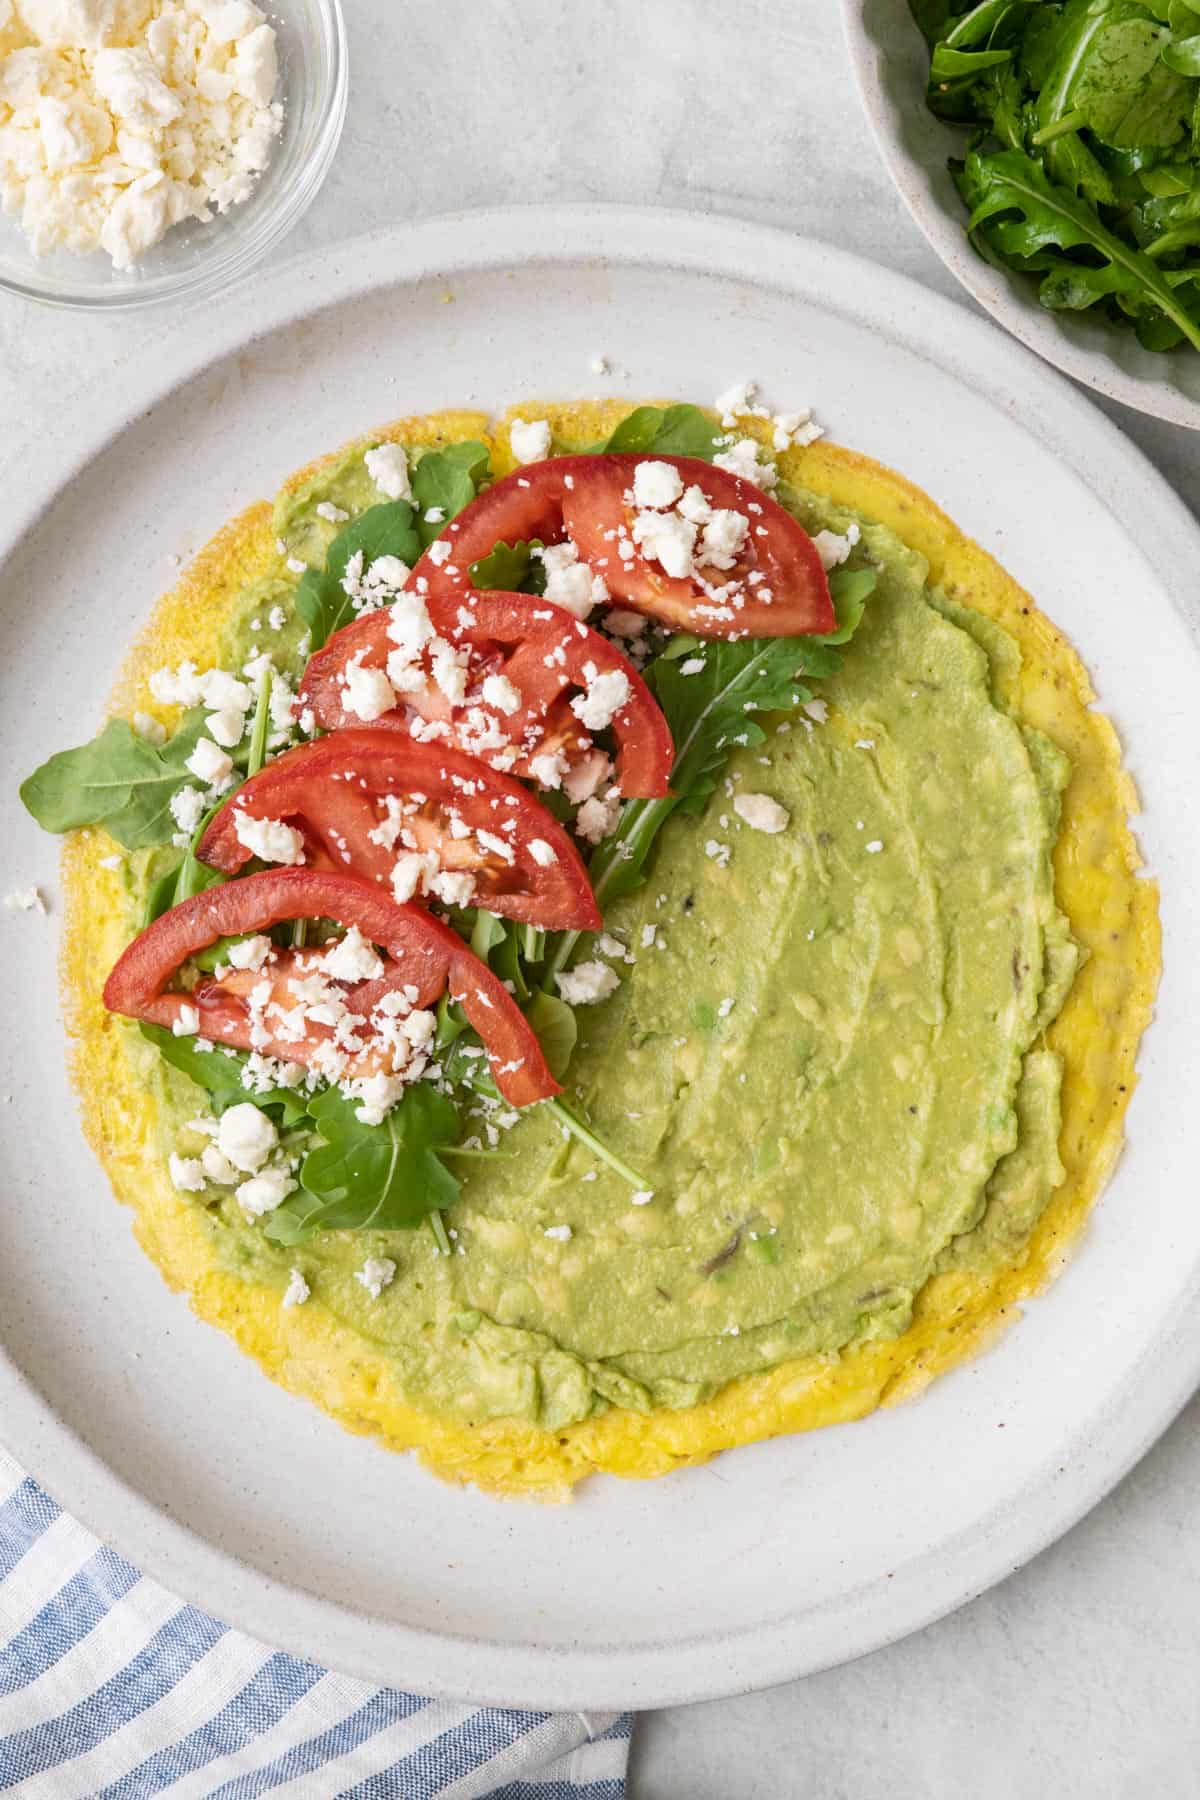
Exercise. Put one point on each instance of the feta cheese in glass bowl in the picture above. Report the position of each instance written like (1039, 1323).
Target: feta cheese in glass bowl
(88, 84)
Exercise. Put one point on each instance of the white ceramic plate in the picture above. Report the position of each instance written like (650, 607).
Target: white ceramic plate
(776, 1559)
(891, 68)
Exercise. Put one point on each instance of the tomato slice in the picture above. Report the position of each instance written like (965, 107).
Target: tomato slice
(543, 651)
(424, 958)
(749, 571)
(380, 806)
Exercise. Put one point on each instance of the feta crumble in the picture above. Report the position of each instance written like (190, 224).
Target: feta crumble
(760, 812)
(297, 1291)
(530, 440)
(376, 1273)
(587, 983)
(387, 465)
(246, 1136)
(269, 839)
(543, 854)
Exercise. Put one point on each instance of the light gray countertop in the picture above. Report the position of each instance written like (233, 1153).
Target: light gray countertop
(1080, 1676)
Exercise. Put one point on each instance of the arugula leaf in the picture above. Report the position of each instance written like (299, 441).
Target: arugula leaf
(386, 530)
(709, 712)
(512, 567)
(447, 480)
(849, 589)
(673, 431)
(119, 781)
(371, 1177)
(555, 1028)
(1084, 169)
(221, 1076)
(1024, 215)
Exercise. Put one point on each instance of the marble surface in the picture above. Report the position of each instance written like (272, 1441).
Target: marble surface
(1078, 1677)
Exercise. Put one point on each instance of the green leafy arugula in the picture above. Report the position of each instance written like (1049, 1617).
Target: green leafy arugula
(386, 530)
(512, 567)
(220, 1075)
(1083, 170)
(669, 431)
(711, 711)
(443, 481)
(119, 780)
(371, 1177)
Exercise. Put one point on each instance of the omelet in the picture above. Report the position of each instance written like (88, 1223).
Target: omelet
(645, 1343)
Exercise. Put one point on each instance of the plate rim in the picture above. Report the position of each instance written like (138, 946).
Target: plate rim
(994, 289)
(716, 1664)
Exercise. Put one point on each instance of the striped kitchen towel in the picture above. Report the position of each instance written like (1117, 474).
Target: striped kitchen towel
(111, 1689)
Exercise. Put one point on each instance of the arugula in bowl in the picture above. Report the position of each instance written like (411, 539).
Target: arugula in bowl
(1082, 168)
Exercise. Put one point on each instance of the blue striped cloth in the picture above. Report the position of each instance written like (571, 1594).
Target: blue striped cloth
(111, 1689)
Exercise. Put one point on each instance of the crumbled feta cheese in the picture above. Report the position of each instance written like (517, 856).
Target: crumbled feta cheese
(263, 1193)
(726, 1007)
(148, 727)
(277, 618)
(110, 862)
(126, 118)
(269, 839)
(874, 847)
(602, 699)
(649, 933)
(717, 852)
(597, 817)
(297, 1291)
(368, 692)
(834, 547)
(334, 515)
(409, 626)
(187, 807)
(376, 1273)
(741, 458)
(667, 538)
(642, 1197)
(296, 565)
(453, 887)
(583, 778)
(570, 583)
(692, 665)
(251, 954)
(387, 465)
(186, 1022)
(817, 710)
(25, 900)
(246, 1136)
(656, 484)
(410, 871)
(177, 687)
(227, 726)
(187, 1173)
(760, 812)
(530, 440)
(217, 1166)
(587, 983)
(542, 853)
(352, 958)
(209, 763)
(562, 1234)
(498, 691)
(547, 768)
(723, 538)
(377, 1095)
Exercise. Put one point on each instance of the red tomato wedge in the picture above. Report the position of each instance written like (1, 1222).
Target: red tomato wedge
(374, 804)
(423, 959)
(542, 650)
(755, 571)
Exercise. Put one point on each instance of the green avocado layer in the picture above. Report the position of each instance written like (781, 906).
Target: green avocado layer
(826, 1054)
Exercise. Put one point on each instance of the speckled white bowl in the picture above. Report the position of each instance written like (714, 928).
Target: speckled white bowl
(891, 66)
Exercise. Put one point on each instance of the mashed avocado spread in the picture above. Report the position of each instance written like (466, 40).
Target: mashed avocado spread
(826, 1054)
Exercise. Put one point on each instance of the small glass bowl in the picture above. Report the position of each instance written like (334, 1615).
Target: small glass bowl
(194, 259)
